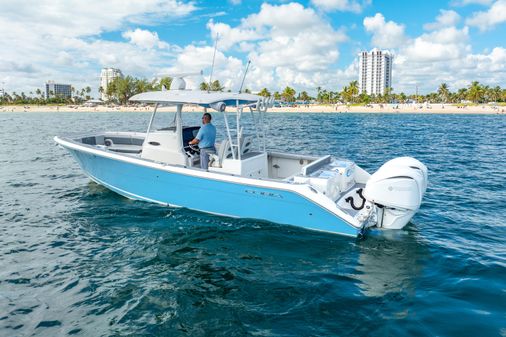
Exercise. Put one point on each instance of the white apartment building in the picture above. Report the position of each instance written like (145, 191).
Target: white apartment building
(375, 73)
(106, 77)
(58, 90)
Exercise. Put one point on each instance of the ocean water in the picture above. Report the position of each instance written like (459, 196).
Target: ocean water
(77, 259)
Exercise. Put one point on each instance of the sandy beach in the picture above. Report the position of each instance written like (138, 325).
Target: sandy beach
(327, 108)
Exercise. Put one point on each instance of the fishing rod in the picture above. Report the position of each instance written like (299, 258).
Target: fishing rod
(212, 67)
(244, 77)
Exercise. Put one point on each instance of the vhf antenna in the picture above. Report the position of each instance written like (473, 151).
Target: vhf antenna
(244, 77)
(212, 67)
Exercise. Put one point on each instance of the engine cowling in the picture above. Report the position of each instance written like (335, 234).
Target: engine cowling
(397, 189)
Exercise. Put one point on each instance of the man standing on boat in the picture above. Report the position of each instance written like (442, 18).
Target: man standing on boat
(205, 139)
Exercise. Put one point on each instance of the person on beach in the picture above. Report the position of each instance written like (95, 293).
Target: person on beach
(205, 139)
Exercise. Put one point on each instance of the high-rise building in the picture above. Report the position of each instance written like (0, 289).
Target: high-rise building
(58, 90)
(375, 74)
(107, 75)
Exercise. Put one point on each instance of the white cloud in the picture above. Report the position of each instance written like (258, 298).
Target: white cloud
(443, 54)
(339, 5)
(60, 40)
(144, 39)
(85, 18)
(485, 20)
(384, 34)
(488, 68)
(193, 59)
(229, 36)
(446, 18)
(471, 2)
(288, 44)
(287, 19)
(442, 45)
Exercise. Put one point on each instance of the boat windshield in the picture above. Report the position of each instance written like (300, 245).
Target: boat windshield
(165, 120)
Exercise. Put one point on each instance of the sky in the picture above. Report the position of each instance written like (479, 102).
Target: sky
(302, 44)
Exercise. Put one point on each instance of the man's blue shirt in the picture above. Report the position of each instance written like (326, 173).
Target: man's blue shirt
(206, 136)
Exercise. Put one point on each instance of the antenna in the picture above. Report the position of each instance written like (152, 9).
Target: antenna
(244, 77)
(212, 67)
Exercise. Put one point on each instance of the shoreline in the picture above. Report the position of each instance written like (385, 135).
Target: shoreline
(327, 108)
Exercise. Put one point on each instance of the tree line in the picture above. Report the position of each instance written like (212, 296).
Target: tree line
(39, 97)
(350, 94)
(122, 88)
(119, 90)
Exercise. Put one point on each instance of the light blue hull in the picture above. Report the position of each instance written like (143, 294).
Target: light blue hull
(207, 195)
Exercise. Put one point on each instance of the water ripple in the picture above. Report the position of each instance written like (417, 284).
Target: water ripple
(78, 259)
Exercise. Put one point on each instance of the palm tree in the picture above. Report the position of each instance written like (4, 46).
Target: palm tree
(165, 82)
(324, 96)
(388, 94)
(486, 93)
(353, 88)
(345, 94)
(402, 97)
(303, 96)
(443, 92)
(461, 94)
(216, 86)
(495, 93)
(100, 91)
(87, 90)
(204, 86)
(288, 94)
(364, 98)
(475, 92)
(350, 92)
(264, 92)
(318, 94)
(7, 97)
(333, 96)
(142, 85)
(433, 97)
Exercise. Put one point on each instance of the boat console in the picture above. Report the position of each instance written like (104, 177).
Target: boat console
(167, 146)
(189, 133)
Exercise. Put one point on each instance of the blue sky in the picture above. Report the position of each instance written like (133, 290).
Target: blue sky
(413, 14)
(303, 44)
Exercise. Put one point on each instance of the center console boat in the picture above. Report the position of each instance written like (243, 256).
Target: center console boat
(244, 179)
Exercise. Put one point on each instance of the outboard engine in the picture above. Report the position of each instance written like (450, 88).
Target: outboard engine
(397, 189)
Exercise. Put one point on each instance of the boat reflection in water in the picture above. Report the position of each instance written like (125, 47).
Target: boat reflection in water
(389, 262)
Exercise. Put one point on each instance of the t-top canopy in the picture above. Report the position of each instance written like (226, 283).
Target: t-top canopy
(202, 98)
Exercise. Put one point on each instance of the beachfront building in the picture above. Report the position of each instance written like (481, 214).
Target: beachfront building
(58, 90)
(107, 75)
(375, 72)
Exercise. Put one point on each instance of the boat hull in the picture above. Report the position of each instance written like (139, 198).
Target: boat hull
(143, 182)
